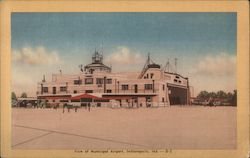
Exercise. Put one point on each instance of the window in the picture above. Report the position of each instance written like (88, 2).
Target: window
(75, 91)
(163, 87)
(77, 82)
(109, 81)
(88, 80)
(179, 81)
(63, 89)
(177, 77)
(163, 100)
(45, 89)
(99, 80)
(109, 91)
(148, 86)
(175, 80)
(125, 87)
(89, 91)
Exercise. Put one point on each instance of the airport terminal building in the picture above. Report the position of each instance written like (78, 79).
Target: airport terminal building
(95, 82)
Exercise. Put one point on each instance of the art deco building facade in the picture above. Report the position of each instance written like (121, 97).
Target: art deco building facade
(153, 86)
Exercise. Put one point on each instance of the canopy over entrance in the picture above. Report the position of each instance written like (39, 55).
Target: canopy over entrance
(86, 96)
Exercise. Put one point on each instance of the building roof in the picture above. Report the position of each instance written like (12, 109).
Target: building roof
(154, 66)
(96, 65)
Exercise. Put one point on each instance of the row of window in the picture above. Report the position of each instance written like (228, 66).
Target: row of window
(64, 89)
(124, 87)
(91, 91)
(46, 89)
(91, 81)
(146, 87)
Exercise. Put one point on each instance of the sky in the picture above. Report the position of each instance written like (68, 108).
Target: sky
(203, 43)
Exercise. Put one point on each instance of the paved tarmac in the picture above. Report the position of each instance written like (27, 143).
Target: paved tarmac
(189, 127)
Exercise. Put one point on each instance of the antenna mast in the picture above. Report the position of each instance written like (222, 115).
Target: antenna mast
(43, 79)
(168, 65)
(175, 63)
(145, 67)
(80, 66)
(102, 49)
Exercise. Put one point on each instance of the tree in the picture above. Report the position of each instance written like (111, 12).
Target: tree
(221, 94)
(228, 97)
(203, 95)
(234, 98)
(13, 96)
(24, 95)
(212, 94)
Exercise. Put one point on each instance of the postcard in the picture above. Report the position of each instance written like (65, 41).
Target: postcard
(124, 79)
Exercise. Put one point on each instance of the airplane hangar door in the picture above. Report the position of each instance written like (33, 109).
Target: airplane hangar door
(177, 95)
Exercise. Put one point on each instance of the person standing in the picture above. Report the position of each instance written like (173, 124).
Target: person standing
(89, 106)
(68, 108)
(64, 107)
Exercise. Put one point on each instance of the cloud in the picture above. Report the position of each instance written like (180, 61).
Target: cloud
(24, 81)
(24, 78)
(220, 65)
(37, 56)
(124, 56)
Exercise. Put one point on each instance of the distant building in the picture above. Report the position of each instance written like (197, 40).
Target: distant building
(153, 86)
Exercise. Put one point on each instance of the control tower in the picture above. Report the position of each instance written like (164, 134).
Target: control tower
(97, 64)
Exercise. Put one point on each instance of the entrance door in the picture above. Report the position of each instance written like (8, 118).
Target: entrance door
(178, 96)
(148, 101)
(54, 90)
(136, 88)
